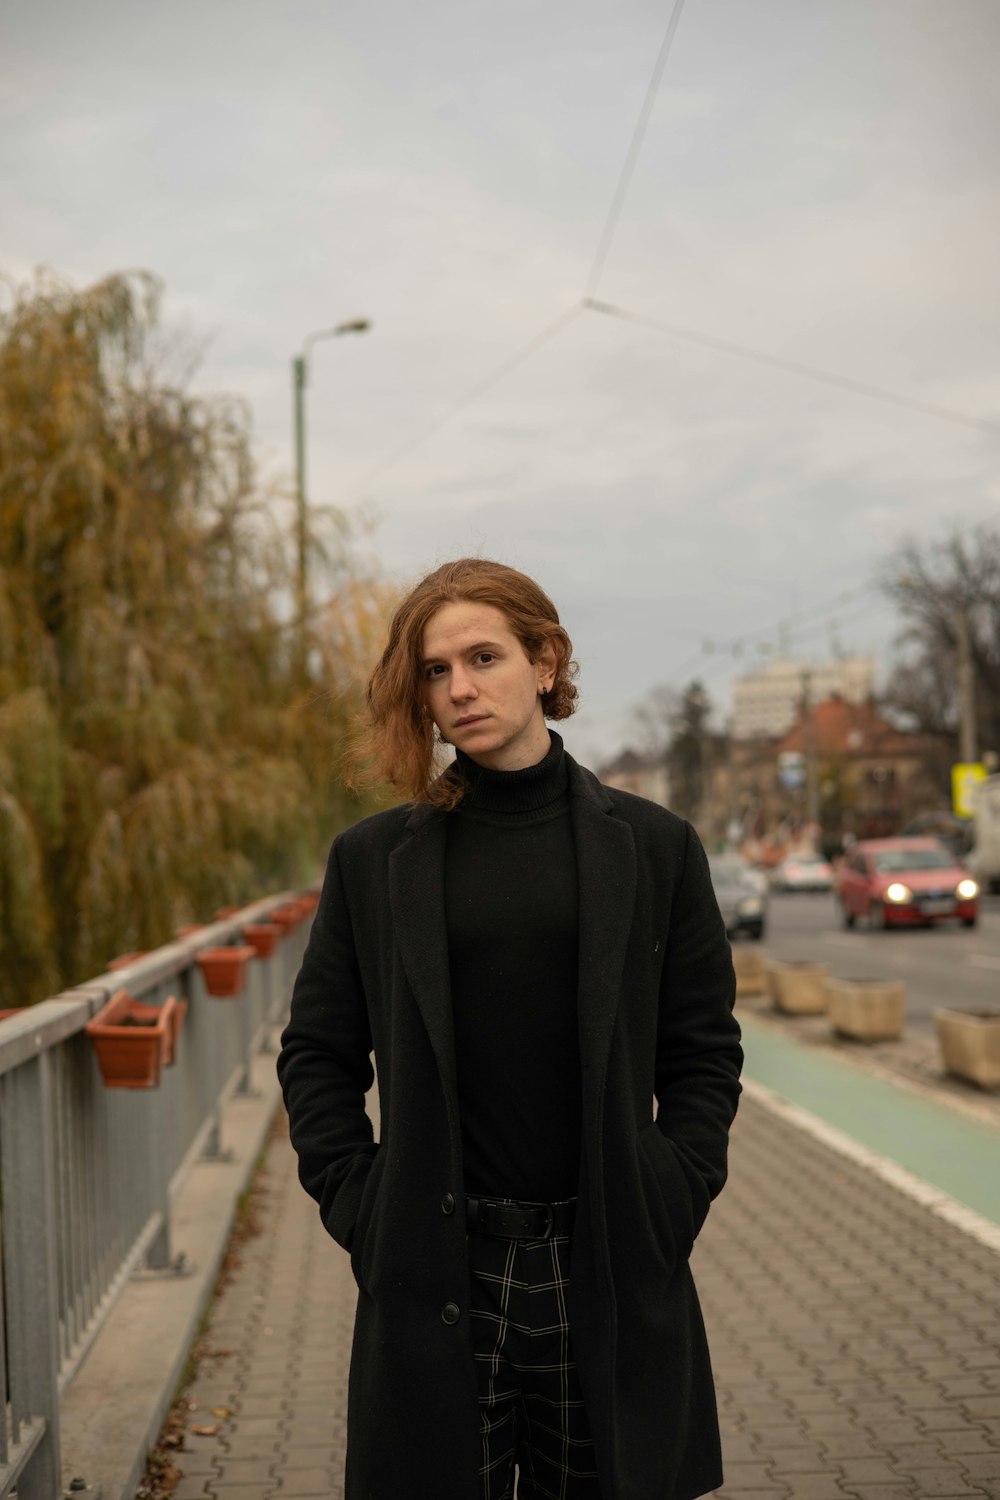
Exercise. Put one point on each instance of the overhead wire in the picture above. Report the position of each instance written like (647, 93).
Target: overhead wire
(718, 345)
(544, 336)
(830, 612)
(823, 609)
(557, 326)
(632, 155)
(590, 303)
(791, 366)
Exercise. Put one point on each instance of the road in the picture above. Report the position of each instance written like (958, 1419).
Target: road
(944, 965)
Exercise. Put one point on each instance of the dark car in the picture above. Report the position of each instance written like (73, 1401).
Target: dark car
(738, 891)
(905, 882)
(954, 833)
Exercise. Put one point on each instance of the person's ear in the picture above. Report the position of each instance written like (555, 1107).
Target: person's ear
(546, 667)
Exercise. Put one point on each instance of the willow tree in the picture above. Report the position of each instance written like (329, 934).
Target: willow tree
(159, 755)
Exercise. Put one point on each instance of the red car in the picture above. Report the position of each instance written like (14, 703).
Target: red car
(905, 882)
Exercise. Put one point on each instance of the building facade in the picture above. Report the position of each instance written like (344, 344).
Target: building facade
(644, 775)
(767, 703)
(871, 778)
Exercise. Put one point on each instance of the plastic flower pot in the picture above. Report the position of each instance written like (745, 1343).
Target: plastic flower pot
(263, 937)
(868, 1010)
(224, 969)
(970, 1044)
(133, 1040)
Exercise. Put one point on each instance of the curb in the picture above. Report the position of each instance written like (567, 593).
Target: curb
(888, 1171)
(112, 1414)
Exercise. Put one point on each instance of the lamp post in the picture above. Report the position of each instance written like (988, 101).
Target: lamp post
(299, 378)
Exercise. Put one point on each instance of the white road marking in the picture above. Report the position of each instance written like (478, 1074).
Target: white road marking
(940, 1203)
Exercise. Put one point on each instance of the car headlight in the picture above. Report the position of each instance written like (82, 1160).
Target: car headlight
(750, 906)
(899, 893)
(966, 889)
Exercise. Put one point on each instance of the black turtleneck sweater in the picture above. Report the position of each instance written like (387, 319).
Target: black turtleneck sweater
(511, 911)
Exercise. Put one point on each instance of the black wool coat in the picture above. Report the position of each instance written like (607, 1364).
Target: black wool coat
(656, 991)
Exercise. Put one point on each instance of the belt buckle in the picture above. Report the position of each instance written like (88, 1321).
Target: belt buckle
(511, 1219)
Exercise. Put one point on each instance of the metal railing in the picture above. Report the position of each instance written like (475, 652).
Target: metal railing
(87, 1173)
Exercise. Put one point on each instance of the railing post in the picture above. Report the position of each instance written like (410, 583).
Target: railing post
(152, 1121)
(209, 1067)
(247, 1003)
(29, 1230)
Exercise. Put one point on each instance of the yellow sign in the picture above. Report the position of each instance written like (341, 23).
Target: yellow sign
(965, 777)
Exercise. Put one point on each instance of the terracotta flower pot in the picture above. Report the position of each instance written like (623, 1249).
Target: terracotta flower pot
(225, 969)
(970, 1044)
(133, 1040)
(263, 937)
(287, 917)
(309, 902)
(188, 929)
(176, 1025)
(869, 1010)
(225, 911)
(123, 960)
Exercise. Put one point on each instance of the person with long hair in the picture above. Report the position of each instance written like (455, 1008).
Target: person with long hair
(538, 966)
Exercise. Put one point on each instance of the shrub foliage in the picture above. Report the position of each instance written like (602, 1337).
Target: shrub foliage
(160, 752)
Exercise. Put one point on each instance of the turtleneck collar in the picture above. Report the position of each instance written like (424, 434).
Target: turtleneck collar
(530, 790)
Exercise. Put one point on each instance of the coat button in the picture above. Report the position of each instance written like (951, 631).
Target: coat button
(448, 1203)
(451, 1312)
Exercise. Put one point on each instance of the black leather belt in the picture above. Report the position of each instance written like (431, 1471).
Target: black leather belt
(510, 1219)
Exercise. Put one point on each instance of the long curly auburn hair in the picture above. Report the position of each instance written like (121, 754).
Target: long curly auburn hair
(395, 739)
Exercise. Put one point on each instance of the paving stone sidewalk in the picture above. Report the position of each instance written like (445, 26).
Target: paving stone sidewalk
(855, 1336)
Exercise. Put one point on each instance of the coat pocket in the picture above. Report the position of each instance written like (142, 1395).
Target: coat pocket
(668, 1196)
(363, 1235)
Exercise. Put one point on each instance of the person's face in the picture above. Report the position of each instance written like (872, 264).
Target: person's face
(481, 690)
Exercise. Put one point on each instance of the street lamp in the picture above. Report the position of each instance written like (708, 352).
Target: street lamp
(299, 374)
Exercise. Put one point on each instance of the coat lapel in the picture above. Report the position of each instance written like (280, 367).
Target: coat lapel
(416, 896)
(606, 871)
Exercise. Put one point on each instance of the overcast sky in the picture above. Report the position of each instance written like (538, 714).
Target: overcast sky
(818, 182)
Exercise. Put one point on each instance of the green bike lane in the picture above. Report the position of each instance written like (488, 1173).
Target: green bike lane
(955, 1153)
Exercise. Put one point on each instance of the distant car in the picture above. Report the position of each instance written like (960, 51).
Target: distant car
(803, 872)
(738, 891)
(905, 882)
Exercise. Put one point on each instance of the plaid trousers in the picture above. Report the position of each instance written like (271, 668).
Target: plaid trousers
(531, 1412)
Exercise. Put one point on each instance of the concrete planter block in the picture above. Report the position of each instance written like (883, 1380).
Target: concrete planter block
(870, 1010)
(970, 1044)
(798, 988)
(751, 971)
